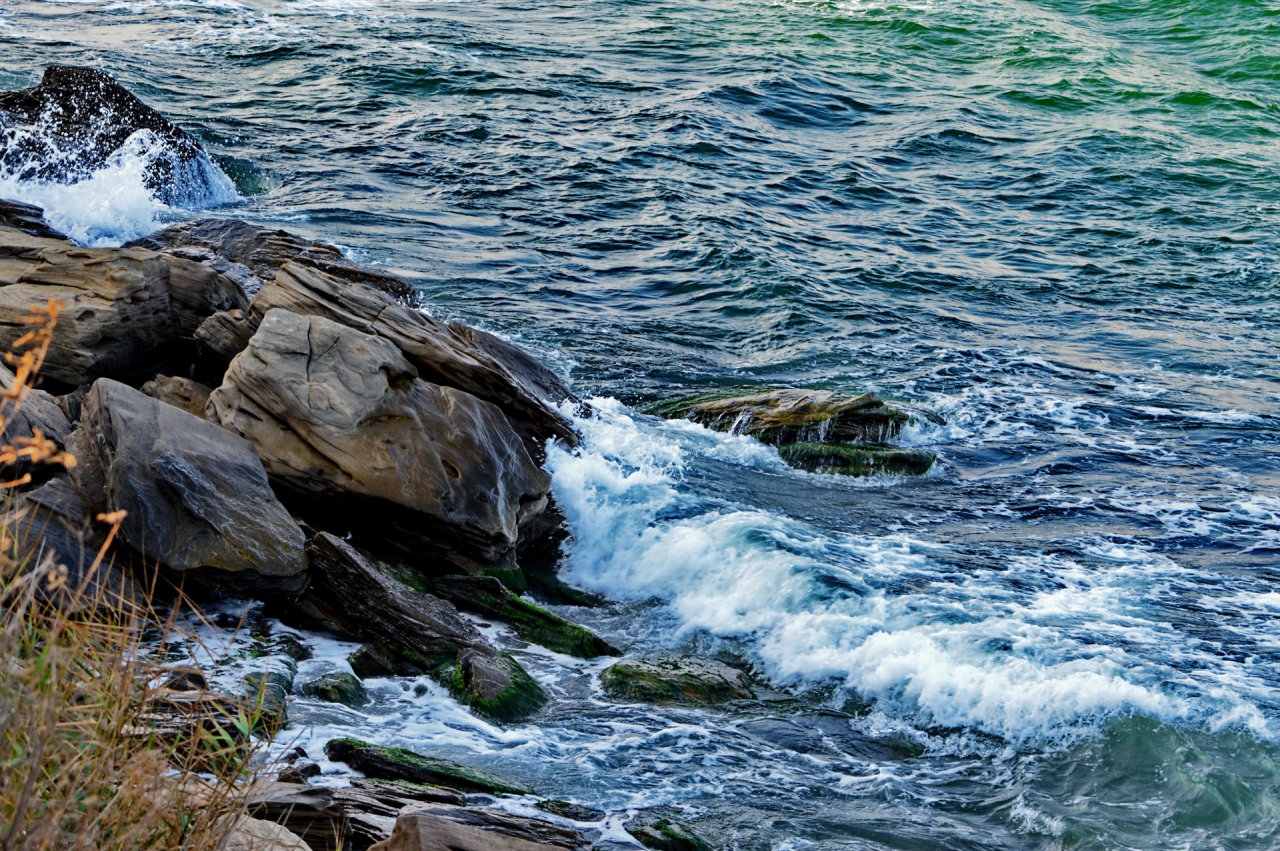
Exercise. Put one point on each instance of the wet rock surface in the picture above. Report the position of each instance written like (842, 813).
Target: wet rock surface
(792, 416)
(432, 827)
(383, 763)
(676, 680)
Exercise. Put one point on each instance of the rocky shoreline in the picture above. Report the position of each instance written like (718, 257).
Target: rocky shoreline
(281, 424)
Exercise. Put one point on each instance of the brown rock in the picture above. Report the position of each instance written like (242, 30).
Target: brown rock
(225, 334)
(182, 393)
(308, 811)
(252, 834)
(794, 416)
(336, 412)
(435, 827)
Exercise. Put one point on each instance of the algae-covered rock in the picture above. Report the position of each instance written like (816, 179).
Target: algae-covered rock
(495, 685)
(338, 687)
(571, 811)
(486, 595)
(857, 460)
(382, 763)
(672, 680)
(791, 416)
(268, 697)
(657, 831)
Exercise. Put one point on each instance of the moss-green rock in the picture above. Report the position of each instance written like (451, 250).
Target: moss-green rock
(676, 680)
(495, 686)
(857, 460)
(792, 416)
(267, 697)
(665, 834)
(381, 763)
(338, 687)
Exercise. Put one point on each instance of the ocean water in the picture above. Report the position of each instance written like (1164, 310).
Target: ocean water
(1054, 223)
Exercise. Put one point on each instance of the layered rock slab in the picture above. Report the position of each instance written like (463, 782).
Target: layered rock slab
(431, 827)
(196, 495)
(336, 412)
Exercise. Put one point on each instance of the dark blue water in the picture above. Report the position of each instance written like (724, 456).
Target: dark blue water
(1057, 224)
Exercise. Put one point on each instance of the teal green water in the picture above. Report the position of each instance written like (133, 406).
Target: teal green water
(1056, 223)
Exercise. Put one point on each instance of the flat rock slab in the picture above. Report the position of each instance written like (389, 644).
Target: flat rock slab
(196, 495)
(677, 680)
(436, 827)
(383, 763)
(793, 416)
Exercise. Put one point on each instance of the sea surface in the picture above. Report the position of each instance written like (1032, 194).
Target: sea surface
(1056, 223)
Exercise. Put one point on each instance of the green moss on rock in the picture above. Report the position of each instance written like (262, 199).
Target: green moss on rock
(496, 687)
(382, 763)
(338, 687)
(671, 680)
(857, 460)
(664, 834)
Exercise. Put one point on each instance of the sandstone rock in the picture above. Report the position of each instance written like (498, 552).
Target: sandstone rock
(676, 680)
(197, 291)
(69, 125)
(338, 687)
(308, 811)
(19, 250)
(433, 826)
(262, 251)
(196, 495)
(487, 596)
(117, 309)
(335, 412)
(225, 334)
(478, 363)
(372, 806)
(794, 416)
(354, 596)
(27, 218)
(252, 834)
(377, 762)
(182, 393)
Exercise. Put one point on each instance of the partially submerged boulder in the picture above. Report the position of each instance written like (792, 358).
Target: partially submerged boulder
(71, 124)
(338, 413)
(794, 416)
(337, 687)
(354, 596)
(857, 460)
(657, 830)
(677, 680)
(434, 827)
(382, 763)
(196, 495)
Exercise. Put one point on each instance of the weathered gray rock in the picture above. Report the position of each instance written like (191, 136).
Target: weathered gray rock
(372, 807)
(262, 251)
(253, 834)
(39, 410)
(197, 291)
(352, 595)
(182, 393)
(27, 218)
(335, 412)
(676, 680)
(117, 309)
(196, 495)
(68, 126)
(431, 827)
(338, 687)
(225, 334)
(478, 363)
(310, 812)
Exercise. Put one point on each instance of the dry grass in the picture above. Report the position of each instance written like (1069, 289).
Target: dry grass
(94, 752)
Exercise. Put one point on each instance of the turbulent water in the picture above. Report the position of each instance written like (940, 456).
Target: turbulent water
(1055, 223)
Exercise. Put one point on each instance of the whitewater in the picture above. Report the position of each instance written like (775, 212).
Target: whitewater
(1053, 225)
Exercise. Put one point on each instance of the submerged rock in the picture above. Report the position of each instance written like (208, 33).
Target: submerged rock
(354, 596)
(338, 413)
(260, 252)
(383, 763)
(672, 680)
(857, 460)
(196, 495)
(654, 829)
(487, 596)
(794, 416)
(431, 828)
(571, 811)
(71, 124)
(338, 687)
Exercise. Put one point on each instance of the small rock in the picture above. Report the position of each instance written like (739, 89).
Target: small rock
(299, 773)
(676, 680)
(182, 393)
(338, 687)
(660, 833)
(857, 460)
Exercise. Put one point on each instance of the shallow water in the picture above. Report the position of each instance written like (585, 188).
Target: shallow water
(1054, 223)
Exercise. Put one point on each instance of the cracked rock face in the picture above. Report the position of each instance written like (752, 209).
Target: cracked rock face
(338, 412)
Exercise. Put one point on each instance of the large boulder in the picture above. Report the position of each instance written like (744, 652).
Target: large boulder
(352, 595)
(336, 412)
(431, 827)
(478, 363)
(254, 254)
(71, 124)
(38, 411)
(196, 495)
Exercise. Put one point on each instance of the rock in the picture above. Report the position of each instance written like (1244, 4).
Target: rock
(181, 393)
(196, 726)
(72, 402)
(39, 410)
(69, 125)
(487, 596)
(573, 812)
(794, 416)
(676, 680)
(300, 773)
(434, 827)
(253, 834)
(19, 250)
(335, 412)
(198, 291)
(338, 687)
(27, 218)
(857, 460)
(267, 698)
(262, 251)
(379, 659)
(225, 334)
(196, 495)
(308, 811)
(117, 311)
(372, 806)
(377, 762)
(358, 598)
(291, 646)
(477, 363)
(655, 830)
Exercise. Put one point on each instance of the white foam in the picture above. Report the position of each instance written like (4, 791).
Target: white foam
(113, 205)
(964, 651)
